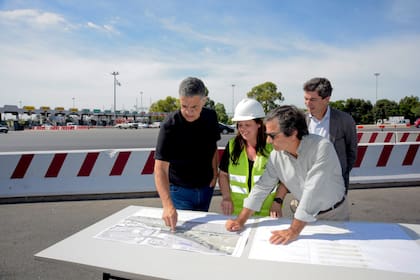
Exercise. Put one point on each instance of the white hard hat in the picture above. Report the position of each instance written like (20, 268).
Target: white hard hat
(248, 109)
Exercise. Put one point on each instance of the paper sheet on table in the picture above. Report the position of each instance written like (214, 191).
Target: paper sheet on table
(195, 232)
(351, 244)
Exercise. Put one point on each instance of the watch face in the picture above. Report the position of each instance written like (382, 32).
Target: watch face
(278, 200)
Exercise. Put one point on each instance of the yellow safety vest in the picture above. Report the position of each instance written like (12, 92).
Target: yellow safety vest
(238, 179)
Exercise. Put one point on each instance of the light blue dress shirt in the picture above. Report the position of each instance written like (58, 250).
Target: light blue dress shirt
(320, 127)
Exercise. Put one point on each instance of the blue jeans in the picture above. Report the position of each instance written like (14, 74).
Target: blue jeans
(196, 199)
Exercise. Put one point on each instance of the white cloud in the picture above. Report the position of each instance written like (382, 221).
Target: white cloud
(40, 74)
(32, 17)
(38, 77)
(107, 28)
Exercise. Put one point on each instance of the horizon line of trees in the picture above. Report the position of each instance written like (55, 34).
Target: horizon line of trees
(362, 111)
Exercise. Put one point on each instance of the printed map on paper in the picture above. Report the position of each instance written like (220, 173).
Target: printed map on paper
(204, 233)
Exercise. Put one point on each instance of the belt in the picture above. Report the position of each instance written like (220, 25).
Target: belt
(332, 208)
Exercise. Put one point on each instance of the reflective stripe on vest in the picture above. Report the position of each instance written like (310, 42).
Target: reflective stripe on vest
(236, 189)
(238, 179)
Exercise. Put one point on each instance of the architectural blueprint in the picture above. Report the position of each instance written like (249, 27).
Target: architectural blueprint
(196, 233)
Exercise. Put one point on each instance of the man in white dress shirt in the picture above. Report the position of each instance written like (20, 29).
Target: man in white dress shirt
(308, 165)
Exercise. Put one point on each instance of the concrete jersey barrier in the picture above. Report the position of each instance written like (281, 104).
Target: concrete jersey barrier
(387, 163)
(131, 170)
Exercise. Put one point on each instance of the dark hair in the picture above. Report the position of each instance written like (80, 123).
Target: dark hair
(289, 118)
(320, 85)
(191, 87)
(239, 143)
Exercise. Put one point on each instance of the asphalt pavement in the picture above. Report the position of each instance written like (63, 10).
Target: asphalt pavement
(89, 139)
(27, 228)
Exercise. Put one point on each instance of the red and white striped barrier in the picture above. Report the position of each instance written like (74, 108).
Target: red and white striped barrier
(76, 172)
(128, 171)
(58, 127)
(388, 137)
(377, 163)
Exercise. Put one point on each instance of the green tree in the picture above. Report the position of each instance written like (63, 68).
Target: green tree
(219, 108)
(339, 104)
(267, 95)
(209, 103)
(408, 106)
(167, 105)
(416, 111)
(360, 110)
(221, 113)
(385, 108)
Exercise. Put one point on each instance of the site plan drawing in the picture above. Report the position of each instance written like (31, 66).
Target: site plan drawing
(351, 244)
(203, 233)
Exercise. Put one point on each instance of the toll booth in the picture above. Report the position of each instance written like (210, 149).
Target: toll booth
(84, 116)
(45, 112)
(73, 115)
(100, 117)
(14, 123)
(59, 116)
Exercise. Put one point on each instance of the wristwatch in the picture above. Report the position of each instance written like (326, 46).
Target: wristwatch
(278, 200)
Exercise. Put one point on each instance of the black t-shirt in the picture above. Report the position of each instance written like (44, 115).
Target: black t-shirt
(189, 148)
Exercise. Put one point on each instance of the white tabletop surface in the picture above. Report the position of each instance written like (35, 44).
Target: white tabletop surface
(144, 262)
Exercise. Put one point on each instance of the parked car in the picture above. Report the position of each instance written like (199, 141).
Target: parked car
(127, 125)
(143, 125)
(417, 123)
(155, 125)
(3, 128)
(225, 129)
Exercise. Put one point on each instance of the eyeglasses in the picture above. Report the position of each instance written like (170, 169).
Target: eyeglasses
(272, 135)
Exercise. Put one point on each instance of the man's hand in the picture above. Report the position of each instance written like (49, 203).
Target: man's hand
(170, 216)
(227, 206)
(283, 236)
(286, 236)
(275, 210)
(213, 182)
(238, 224)
(233, 225)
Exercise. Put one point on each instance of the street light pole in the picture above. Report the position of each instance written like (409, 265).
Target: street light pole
(115, 93)
(233, 99)
(141, 101)
(73, 101)
(376, 96)
(376, 93)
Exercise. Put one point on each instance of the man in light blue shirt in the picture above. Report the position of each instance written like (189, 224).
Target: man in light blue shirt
(308, 165)
(335, 125)
(320, 127)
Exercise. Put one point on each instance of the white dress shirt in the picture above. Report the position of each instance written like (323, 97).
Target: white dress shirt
(320, 127)
(314, 177)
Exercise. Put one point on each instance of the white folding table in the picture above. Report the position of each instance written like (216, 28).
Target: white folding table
(119, 260)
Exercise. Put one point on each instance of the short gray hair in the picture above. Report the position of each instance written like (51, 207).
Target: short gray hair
(192, 86)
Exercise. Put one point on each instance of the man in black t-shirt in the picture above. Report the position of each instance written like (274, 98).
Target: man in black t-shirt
(186, 154)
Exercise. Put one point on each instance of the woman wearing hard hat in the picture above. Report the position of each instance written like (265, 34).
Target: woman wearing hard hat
(244, 161)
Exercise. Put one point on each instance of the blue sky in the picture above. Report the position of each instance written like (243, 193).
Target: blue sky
(56, 53)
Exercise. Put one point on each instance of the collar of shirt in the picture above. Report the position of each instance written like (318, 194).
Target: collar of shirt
(320, 127)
